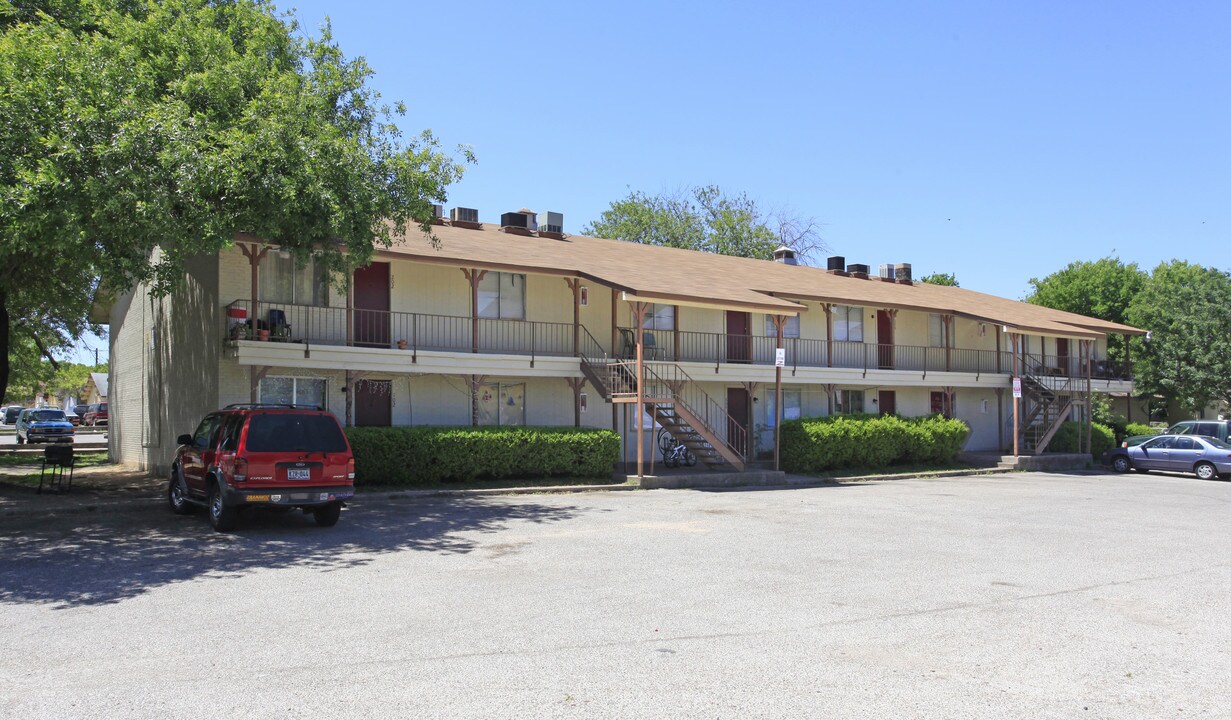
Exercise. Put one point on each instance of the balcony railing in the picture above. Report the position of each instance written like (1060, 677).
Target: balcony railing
(283, 322)
(720, 348)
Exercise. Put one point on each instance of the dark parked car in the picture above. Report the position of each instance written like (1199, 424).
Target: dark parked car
(96, 414)
(1207, 457)
(1210, 428)
(272, 455)
(43, 425)
(79, 411)
(10, 414)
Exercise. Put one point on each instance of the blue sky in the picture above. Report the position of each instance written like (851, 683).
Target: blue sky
(997, 141)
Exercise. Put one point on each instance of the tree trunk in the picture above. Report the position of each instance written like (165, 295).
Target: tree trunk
(4, 343)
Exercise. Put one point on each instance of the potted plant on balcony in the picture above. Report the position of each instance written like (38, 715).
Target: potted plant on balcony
(262, 334)
(402, 344)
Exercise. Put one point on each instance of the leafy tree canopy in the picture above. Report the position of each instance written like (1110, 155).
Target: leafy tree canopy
(1188, 357)
(130, 125)
(1101, 289)
(705, 219)
(940, 278)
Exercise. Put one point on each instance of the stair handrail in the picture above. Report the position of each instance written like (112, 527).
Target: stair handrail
(686, 392)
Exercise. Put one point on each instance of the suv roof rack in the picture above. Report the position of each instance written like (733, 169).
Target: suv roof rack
(252, 406)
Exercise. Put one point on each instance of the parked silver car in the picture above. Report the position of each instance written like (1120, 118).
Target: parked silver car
(1207, 457)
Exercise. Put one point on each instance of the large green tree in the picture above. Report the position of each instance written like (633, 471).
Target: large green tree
(1188, 357)
(940, 278)
(706, 219)
(1101, 289)
(130, 125)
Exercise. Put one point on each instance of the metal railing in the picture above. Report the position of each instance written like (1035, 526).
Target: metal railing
(720, 348)
(283, 322)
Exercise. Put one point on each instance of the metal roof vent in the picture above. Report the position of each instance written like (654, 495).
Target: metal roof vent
(889, 272)
(786, 256)
(553, 222)
(836, 265)
(517, 223)
(903, 274)
(463, 217)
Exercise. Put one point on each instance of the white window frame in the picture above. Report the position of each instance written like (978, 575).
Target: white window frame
(274, 265)
(842, 316)
(790, 328)
(790, 410)
(498, 391)
(659, 317)
(295, 380)
(508, 297)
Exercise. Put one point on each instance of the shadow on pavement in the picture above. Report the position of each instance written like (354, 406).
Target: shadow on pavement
(95, 560)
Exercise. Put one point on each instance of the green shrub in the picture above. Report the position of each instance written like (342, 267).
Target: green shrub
(1102, 438)
(424, 455)
(1140, 429)
(817, 444)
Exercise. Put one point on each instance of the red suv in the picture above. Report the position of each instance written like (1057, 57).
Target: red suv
(95, 414)
(273, 455)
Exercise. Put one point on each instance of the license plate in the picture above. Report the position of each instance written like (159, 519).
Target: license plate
(298, 474)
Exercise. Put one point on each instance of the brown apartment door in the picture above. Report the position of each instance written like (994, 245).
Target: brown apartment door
(888, 402)
(1062, 357)
(884, 340)
(739, 409)
(739, 338)
(371, 297)
(373, 403)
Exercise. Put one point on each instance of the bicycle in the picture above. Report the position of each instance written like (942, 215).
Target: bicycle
(679, 455)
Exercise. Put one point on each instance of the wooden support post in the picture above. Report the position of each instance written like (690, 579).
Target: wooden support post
(675, 333)
(255, 254)
(615, 323)
(639, 311)
(473, 276)
(576, 385)
(1128, 368)
(474, 381)
(350, 400)
(828, 309)
(574, 284)
(999, 369)
(830, 389)
(947, 321)
(255, 376)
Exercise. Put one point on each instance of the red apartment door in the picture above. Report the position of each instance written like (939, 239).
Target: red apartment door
(371, 296)
(888, 402)
(373, 403)
(884, 340)
(739, 338)
(739, 409)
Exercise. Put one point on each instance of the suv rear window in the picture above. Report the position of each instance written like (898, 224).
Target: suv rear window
(286, 432)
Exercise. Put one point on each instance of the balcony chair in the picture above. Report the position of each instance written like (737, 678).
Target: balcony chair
(648, 345)
(56, 459)
(279, 328)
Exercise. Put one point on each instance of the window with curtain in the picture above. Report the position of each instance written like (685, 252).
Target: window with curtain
(791, 402)
(847, 402)
(281, 281)
(660, 317)
(292, 391)
(936, 331)
(848, 323)
(790, 329)
(502, 404)
(502, 296)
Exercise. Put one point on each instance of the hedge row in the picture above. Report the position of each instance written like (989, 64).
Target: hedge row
(421, 455)
(1102, 438)
(817, 444)
(1132, 429)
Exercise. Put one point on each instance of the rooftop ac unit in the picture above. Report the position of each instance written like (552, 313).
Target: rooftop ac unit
(836, 262)
(461, 214)
(858, 270)
(904, 273)
(553, 222)
(888, 271)
(438, 211)
(515, 219)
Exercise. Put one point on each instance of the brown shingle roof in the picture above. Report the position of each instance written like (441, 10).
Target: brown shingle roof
(691, 277)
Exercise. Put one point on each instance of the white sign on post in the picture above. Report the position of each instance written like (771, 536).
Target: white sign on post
(780, 357)
(1017, 387)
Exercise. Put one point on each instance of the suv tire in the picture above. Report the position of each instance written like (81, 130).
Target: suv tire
(222, 517)
(177, 494)
(327, 515)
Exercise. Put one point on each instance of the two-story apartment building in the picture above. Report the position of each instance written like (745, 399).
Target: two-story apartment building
(510, 326)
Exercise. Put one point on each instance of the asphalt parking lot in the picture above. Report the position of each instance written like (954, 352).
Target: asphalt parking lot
(1019, 595)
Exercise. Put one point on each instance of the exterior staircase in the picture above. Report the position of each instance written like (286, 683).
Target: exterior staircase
(676, 402)
(1045, 407)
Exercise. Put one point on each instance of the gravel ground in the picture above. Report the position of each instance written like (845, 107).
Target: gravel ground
(1021, 595)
